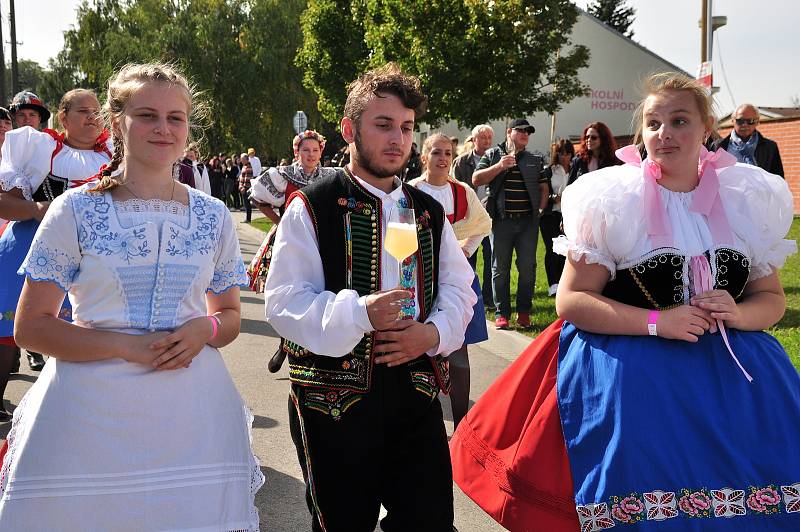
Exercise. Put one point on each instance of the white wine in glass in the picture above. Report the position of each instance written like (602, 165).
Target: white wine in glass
(401, 235)
(511, 148)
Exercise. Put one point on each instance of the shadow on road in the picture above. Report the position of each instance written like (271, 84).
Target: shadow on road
(264, 422)
(258, 327)
(258, 300)
(281, 503)
(23, 377)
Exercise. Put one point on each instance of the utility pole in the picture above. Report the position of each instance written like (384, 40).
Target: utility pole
(14, 65)
(704, 23)
(3, 100)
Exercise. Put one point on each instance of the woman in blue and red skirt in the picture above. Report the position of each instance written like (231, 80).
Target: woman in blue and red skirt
(656, 400)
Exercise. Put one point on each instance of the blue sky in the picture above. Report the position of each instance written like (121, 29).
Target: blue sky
(759, 45)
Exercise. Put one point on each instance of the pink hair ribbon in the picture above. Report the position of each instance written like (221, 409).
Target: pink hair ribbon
(658, 228)
(701, 276)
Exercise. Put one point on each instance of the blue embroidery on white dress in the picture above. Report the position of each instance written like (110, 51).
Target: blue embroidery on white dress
(230, 273)
(204, 239)
(138, 284)
(46, 264)
(154, 292)
(94, 232)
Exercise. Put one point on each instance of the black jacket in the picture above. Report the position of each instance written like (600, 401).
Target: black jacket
(464, 167)
(767, 155)
(530, 166)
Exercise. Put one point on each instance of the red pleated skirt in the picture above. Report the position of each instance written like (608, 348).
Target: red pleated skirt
(509, 454)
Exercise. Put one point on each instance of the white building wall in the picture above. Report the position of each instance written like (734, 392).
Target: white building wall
(617, 67)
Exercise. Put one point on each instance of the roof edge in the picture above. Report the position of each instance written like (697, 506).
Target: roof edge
(629, 40)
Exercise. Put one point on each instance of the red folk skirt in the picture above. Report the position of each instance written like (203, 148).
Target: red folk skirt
(513, 463)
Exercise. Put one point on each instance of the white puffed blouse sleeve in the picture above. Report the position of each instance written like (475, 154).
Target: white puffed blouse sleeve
(229, 269)
(760, 209)
(602, 217)
(269, 188)
(26, 160)
(55, 253)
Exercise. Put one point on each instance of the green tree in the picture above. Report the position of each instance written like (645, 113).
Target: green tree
(614, 13)
(477, 60)
(238, 53)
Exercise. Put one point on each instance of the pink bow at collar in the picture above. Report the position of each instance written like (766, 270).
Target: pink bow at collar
(706, 200)
(658, 228)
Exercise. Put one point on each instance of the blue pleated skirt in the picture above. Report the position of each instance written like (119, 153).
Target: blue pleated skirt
(669, 435)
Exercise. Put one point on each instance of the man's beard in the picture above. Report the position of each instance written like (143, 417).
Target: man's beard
(369, 165)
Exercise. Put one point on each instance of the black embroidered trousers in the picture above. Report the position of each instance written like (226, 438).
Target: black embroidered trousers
(386, 447)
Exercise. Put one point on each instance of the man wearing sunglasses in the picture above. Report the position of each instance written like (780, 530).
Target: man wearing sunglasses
(748, 145)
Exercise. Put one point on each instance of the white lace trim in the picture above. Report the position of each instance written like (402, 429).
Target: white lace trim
(774, 257)
(256, 476)
(19, 180)
(562, 245)
(136, 205)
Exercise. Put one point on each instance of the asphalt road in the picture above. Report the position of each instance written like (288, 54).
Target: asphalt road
(281, 500)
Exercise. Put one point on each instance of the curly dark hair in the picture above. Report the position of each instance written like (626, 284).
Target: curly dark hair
(389, 79)
(606, 156)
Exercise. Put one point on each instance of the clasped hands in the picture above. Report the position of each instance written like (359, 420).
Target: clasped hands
(170, 350)
(689, 322)
(401, 340)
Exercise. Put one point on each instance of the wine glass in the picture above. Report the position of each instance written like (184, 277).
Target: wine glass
(511, 148)
(401, 236)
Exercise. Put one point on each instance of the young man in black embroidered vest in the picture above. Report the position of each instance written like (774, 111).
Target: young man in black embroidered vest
(366, 357)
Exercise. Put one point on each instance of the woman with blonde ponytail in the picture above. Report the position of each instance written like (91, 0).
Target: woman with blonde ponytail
(135, 422)
(37, 166)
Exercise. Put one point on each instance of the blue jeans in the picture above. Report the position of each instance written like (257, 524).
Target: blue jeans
(509, 235)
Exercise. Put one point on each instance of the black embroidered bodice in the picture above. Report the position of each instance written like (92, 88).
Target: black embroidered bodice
(52, 187)
(661, 279)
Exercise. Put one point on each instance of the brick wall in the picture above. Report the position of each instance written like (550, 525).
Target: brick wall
(786, 133)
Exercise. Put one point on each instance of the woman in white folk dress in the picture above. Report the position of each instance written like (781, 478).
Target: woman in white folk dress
(136, 424)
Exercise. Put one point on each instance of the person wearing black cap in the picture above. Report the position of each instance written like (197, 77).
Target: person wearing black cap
(29, 110)
(515, 199)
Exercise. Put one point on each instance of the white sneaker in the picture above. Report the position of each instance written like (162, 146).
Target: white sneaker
(551, 292)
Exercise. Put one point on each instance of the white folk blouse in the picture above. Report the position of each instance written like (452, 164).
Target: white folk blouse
(26, 156)
(604, 221)
(149, 275)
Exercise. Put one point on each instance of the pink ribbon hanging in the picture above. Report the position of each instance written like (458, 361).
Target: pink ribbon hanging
(703, 282)
(706, 200)
(658, 228)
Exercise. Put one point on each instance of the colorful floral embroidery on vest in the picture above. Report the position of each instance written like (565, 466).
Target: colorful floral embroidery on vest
(357, 207)
(407, 274)
(699, 503)
(7, 315)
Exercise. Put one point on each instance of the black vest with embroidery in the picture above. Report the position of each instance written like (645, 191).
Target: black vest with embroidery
(660, 281)
(347, 220)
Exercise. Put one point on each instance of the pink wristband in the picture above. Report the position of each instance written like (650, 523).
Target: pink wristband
(215, 323)
(652, 319)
